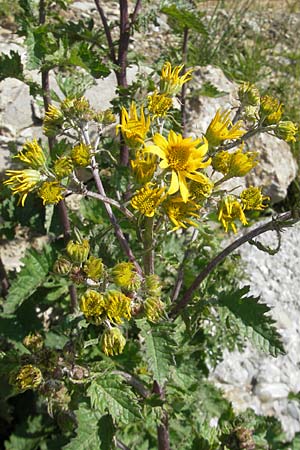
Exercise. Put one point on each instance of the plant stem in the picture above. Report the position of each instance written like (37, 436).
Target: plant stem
(134, 382)
(163, 439)
(62, 209)
(283, 220)
(3, 279)
(148, 246)
(183, 89)
(112, 202)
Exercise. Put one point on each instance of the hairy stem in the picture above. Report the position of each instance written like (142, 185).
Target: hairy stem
(163, 439)
(148, 246)
(283, 220)
(134, 382)
(62, 209)
(183, 89)
(110, 44)
(111, 202)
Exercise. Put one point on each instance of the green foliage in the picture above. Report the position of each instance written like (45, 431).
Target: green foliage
(184, 18)
(251, 319)
(32, 275)
(11, 66)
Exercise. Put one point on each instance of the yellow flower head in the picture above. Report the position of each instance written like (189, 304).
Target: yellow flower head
(117, 306)
(153, 285)
(271, 110)
(170, 80)
(53, 121)
(94, 268)
(22, 182)
(143, 166)
(32, 154)
(77, 108)
(78, 251)
(159, 104)
(93, 306)
(287, 131)
(28, 377)
(252, 199)
(147, 199)
(221, 129)
(201, 190)
(183, 157)
(249, 94)
(133, 128)
(179, 212)
(125, 276)
(241, 163)
(50, 192)
(220, 162)
(154, 308)
(33, 341)
(81, 155)
(230, 210)
(112, 342)
(63, 166)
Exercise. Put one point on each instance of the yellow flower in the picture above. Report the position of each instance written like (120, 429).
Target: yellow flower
(93, 306)
(32, 154)
(63, 166)
(183, 156)
(146, 200)
(117, 306)
(22, 182)
(134, 130)
(271, 110)
(112, 342)
(286, 130)
(143, 166)
(94, 268)
(125, 276)
(249, 94)
(179, 212)
(159, 104)
(77, 108)
(229, 211)
(81, 155)
(153, 285)
(28, 377)
(170, 80)
(53, 121)
(241, 163)
(50, 192)
(221, 128)
(201, 190)
(154, 308)
(220, 162)
(78, 251)
(252, 199)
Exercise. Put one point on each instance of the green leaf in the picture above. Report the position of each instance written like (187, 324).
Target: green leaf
(183, 18)
(27, 435)
(159, 347)
(87, 435)
(11, 66)
(32, 275)
(209, 90)
(110, 394)
(250, 316)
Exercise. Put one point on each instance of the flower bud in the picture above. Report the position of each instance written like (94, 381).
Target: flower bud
(154, 308)
(118, 306)
(62, 266)
(249, 94)
(81, 155)
(94, 268)
(125, 276)
(112, 342)
(93, 306)
(153, 285)
(241, 163)
(63, 166)
(271, 110)
(28, 377)
(78, 251)
(286, 130)
(220, 162)
(33, 342)
(108, 117)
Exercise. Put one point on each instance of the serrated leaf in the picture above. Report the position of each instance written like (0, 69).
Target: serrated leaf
(32, 275)
(109, 394)
(11, 66)
(159, 346)
(87, 433)
(185, 18)
(27, 435)
(253, 321)
(209, 90)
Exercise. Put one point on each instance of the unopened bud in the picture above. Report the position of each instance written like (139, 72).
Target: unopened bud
(286, 130)
(62, 266)
(94, 268)
(154, 308)
(249, 94)
(28, 377)
(78, 251)
(33, 342)
(112, 342)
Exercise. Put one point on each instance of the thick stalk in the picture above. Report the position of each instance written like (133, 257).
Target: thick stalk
(163, 439)
(148, 246)
(283, 220)
(62, 209)
(183, 89)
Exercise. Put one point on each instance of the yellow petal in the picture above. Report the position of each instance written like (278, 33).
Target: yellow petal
(174, 183)
(155, 150)
(183, 187)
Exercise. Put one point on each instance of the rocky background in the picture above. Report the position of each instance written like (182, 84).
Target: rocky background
(249, 379)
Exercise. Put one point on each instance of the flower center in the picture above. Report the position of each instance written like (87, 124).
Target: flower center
(178, 157)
